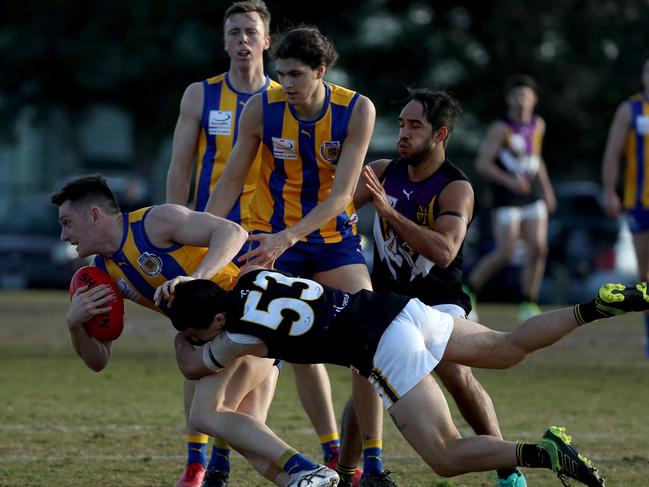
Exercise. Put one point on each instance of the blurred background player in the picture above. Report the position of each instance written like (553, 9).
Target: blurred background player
(205, 132)
(629, 135)
(313, 136)
(141, 250)
(522, 195)
(424, 205)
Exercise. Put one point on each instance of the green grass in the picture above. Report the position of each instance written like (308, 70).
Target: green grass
(63, 425)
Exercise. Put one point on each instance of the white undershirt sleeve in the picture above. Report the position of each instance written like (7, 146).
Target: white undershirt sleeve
(221, 351)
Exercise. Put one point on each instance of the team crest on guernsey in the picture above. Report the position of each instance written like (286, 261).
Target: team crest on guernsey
(150, 264)
(219, 123)
(284, 148)
(330, 150)
(421, 215)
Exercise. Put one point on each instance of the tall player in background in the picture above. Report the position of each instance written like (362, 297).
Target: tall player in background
(141, 250)
(510, 158)
(629, 135)
(313, 136)
(424, 205)
(206, 131)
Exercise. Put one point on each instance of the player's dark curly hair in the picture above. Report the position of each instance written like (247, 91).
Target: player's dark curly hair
(440, 108)
(307, 44)
(91, 189)
(196, 303)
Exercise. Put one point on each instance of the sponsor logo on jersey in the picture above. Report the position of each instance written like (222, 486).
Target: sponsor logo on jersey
(330, 150)
(284, 148)
(150, 264)
(219, 123)
(642, 124)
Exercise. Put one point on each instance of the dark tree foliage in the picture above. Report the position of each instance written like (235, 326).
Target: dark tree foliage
(586, 55)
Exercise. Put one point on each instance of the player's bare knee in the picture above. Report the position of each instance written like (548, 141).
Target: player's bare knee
(456, 378)
(511, 353)
(444, 467)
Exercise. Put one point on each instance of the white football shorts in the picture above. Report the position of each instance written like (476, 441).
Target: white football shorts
(410, 348)
(513, 215)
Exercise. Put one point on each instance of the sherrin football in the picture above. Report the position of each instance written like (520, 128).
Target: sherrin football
(108, 326)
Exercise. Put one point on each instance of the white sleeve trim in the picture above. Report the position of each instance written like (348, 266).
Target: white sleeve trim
(243, 339)
(220, 352)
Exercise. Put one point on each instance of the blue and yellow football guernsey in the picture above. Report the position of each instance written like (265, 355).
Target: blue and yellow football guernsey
(222, 106)
(298, 164)
(139, 267)
(636, 151)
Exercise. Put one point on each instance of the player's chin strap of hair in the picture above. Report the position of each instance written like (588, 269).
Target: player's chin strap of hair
(453, 213)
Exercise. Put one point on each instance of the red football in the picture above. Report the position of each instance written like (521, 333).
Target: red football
(108, 326)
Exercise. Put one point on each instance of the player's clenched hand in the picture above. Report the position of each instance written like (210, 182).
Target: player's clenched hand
(87, 303)
(379, 196)
(165, 290)
(271, 246)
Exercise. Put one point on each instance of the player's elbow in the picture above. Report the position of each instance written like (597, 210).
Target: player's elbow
(445, 255)
(95, 364)
(189, 371)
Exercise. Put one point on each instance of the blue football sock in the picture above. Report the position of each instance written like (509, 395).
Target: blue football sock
(372, 456)
(196, 447)
(220, 459)
(292, 462)
(330, 446)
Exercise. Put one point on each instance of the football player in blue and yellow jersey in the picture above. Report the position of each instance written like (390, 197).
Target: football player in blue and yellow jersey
(629, 135)
(510, 159)
(205, 132)
(142, 250)
(207, 128)
(313, 137)
(208, 122)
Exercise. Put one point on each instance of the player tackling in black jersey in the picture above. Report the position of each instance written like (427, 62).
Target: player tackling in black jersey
(394, 342)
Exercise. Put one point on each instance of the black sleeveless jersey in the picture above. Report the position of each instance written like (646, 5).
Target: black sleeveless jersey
(397, 266)
(302, 321)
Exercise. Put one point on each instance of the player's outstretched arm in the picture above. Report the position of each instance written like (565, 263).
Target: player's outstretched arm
(173, 224)
(85, 304)
(195, 361)
(611, 164)
(184, 144)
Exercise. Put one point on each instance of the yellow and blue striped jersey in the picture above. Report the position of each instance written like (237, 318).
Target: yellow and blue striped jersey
(298, 164)
(139, 267)
(636, 151)
(222, 107)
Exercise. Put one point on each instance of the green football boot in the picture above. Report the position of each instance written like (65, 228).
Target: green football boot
(567, 462)
(617, 299)
(526, 310)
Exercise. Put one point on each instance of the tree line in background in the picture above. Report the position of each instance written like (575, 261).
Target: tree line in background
(585, 54)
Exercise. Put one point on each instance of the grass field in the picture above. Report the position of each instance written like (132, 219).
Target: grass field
(62, 425)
